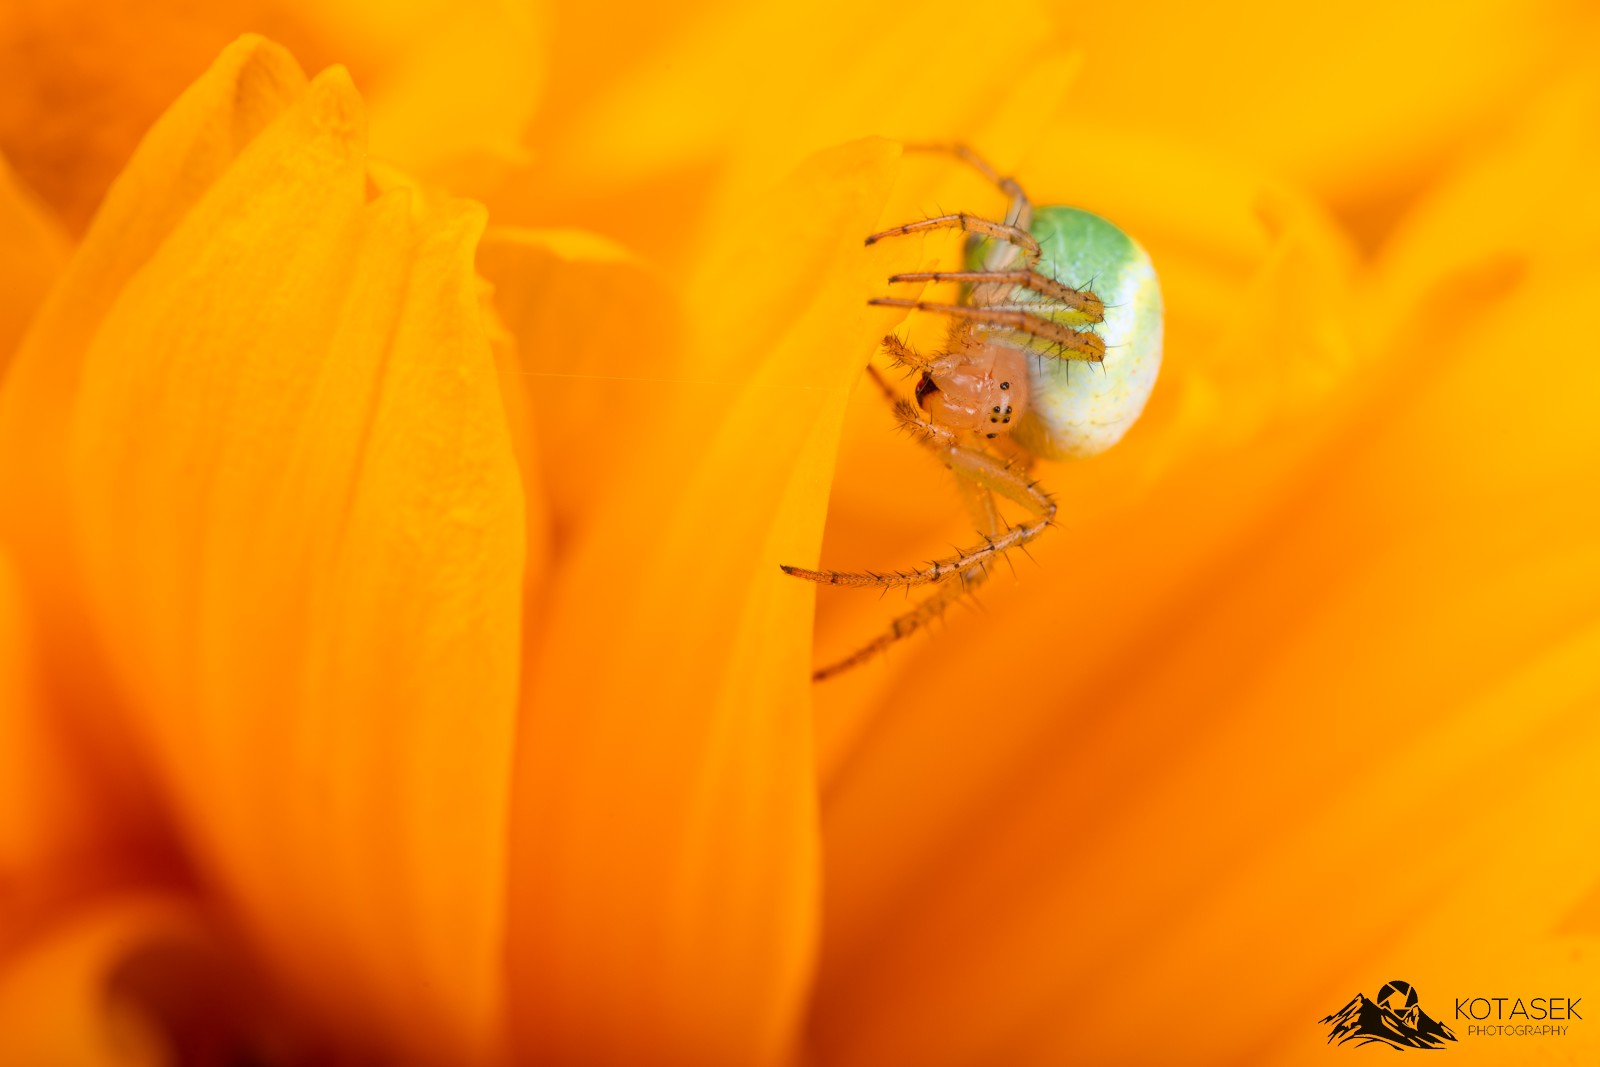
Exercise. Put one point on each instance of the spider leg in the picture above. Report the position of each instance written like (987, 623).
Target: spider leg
(1087, 346)
(978, 500)
(980, 505)
(1019, 214)
(1006, 232)
(978, 476)
(992, 287)
(904, 625)
(903, 355)
(986, 471)
(1013, 232)
(1021, 211)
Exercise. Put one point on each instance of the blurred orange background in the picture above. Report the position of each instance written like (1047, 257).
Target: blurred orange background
(395, 465)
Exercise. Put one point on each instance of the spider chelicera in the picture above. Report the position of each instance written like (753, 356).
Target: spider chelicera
(1044, 288)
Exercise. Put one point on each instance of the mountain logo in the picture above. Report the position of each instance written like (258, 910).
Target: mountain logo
(1393, 1017)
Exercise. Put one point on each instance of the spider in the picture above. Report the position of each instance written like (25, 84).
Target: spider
(1044, 288)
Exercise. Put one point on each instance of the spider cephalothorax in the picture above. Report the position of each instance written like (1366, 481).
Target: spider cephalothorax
(1044, 288)
(975, 388)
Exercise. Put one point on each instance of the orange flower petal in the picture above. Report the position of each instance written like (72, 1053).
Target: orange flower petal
(1258, 287)
(1521, 196)
(42, 819)
(59, 1003)
(32, 252)
(597, 332)
(247, 87)
(1361, 103)
(142, 978)
(453, 83)
(704, 116)
(1252, 730)
(84, 83)
(665, 871)
(302, 539)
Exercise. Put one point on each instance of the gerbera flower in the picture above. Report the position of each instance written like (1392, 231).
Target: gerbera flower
(396, 667)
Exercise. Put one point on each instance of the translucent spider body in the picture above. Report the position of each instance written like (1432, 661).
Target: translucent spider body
(1043, 288)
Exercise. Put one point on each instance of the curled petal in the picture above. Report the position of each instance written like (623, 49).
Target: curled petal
(56, 1007)
(452, 83)
(135, 983)
(244, 91)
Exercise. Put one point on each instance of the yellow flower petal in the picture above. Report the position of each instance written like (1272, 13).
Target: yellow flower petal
(665, 839)
(301, 533)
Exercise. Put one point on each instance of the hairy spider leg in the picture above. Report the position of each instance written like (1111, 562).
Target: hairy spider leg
(979, 502)
(980, 467)
(1080, 305)
(901, 355)
(1001, 255)
(904, 625)
(1087, 345)
(1020, 213)
(1012, 236)
(992, 286)
(978, 474)
(1000, 231)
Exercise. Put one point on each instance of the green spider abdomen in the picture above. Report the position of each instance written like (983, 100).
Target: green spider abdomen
(1077, 408)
